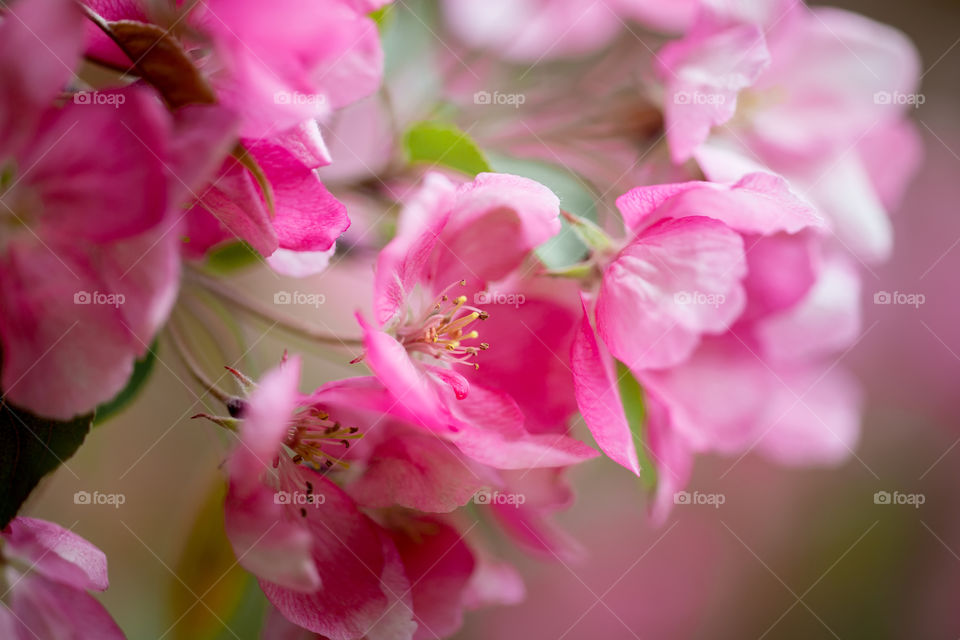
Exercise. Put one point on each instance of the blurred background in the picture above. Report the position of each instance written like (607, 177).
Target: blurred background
(790, 554)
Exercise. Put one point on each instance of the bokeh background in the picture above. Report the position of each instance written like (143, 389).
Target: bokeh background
(790, 554)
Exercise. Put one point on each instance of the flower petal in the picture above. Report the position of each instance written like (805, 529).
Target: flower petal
(677, 280)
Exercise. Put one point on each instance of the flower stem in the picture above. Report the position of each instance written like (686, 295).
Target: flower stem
(264, 312)
(193, 367)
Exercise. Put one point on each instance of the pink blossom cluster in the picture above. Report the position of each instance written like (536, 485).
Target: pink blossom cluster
(709, 316)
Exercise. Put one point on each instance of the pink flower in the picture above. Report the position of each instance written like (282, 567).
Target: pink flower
(323, 564)
(276, 67)
(451, 243)
(306, 220)
(291, 61)
(83, 292)
(817, 95)
(538, 30)
(795, 305)
(681, 273)
(46, 573)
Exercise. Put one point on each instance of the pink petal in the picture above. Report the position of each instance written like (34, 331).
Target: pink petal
(364, 591)
(403, 261)
(493, 583)
(46, 609)
(780, 271)
(438, 564)
(529, 352)
(290, 62)
(532, 31)
(266, 418)
(599, 397)
(892, 155)
(822, 428)
(498, 220)
(671, 455)
(300, 264)
(88, 159)
(412, 390)
(419, 472)
(704, 74)
(308, 217)
(727, 399)
(231, 207)
(56, 553)
(61, 358)
(825, 321)
(834, 64)
(267, 543)
(203, 135)
(50, 34)
(677, 280)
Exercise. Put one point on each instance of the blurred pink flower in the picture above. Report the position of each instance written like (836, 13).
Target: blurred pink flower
(539, 30)
(89, 259)
(47, 571)
(817, 95)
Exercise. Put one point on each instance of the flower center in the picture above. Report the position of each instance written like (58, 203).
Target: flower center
(317, 441)
(442, 331)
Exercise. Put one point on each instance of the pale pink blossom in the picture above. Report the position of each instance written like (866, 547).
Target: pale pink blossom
(47, 572)
(89, 258)
(816, 95)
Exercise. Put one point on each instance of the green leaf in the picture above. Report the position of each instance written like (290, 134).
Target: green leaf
(142, 369)
(232, 257)
(30, 448)
(634, 407)
(444, 145)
